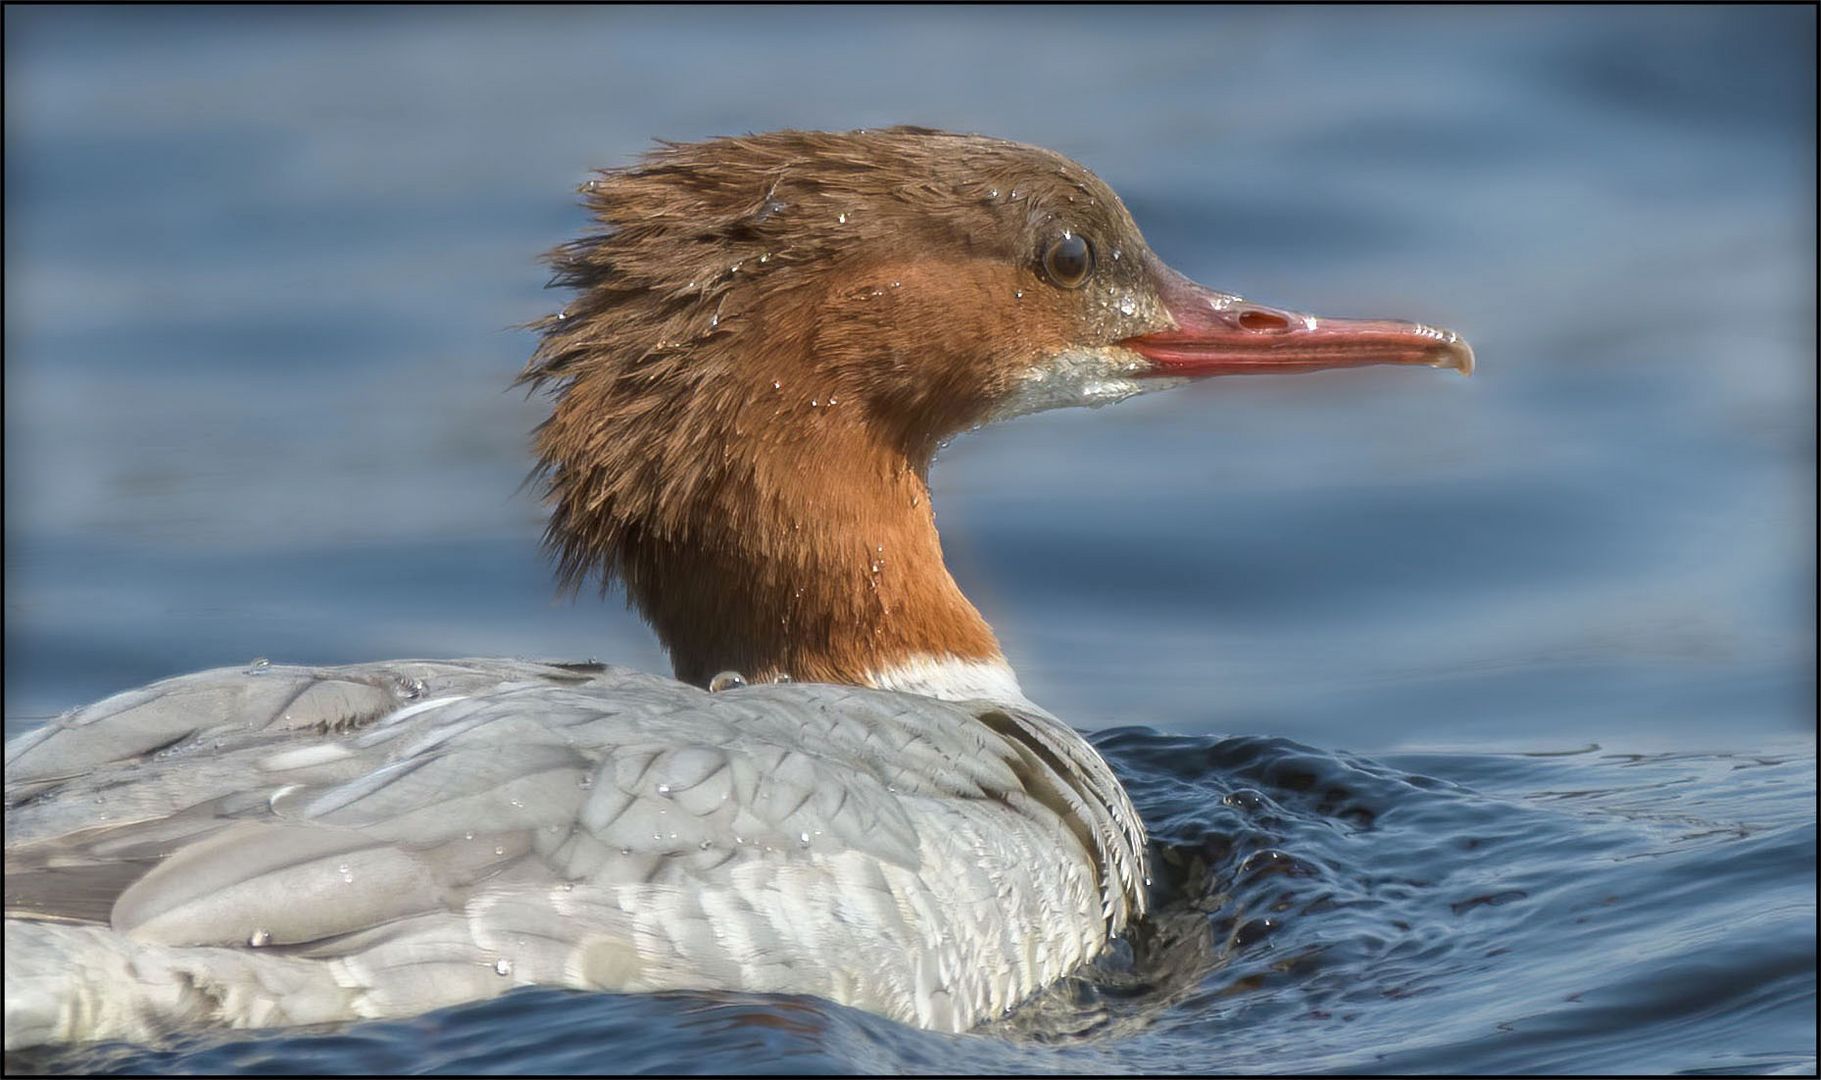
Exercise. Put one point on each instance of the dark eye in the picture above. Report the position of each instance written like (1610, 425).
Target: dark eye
(1068, 260)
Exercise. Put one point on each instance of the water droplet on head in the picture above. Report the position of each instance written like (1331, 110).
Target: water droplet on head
(259, 666)
(1127, 305)
(726, 680)
(781, 677)
(259, 938)
(1018, 294)
(804, 839)
(841, 218)
(502, 966)
(663, 789)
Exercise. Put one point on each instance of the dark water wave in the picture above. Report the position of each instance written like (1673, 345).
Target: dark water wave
(1582, 911)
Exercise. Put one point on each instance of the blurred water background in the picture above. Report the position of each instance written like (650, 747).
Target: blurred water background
(1548, 633)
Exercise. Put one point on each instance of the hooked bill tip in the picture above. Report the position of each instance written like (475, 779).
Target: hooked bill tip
(1454, 353)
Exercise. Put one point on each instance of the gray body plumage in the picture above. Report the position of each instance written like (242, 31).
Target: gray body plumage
(293, 845)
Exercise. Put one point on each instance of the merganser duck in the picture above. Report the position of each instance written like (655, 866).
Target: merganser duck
(843, 793)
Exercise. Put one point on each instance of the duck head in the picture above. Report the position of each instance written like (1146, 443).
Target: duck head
(771, 336)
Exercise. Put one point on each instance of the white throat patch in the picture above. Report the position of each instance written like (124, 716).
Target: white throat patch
(1091, 377)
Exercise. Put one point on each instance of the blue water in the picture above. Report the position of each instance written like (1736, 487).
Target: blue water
(1474, 719)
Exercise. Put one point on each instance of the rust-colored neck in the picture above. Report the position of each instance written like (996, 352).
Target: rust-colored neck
(757, 510)
(823, 565)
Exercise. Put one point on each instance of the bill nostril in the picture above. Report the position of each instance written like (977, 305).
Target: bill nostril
(1263, 321)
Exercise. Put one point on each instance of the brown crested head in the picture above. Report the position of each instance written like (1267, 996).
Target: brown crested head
(773, 333)
(926, 272)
